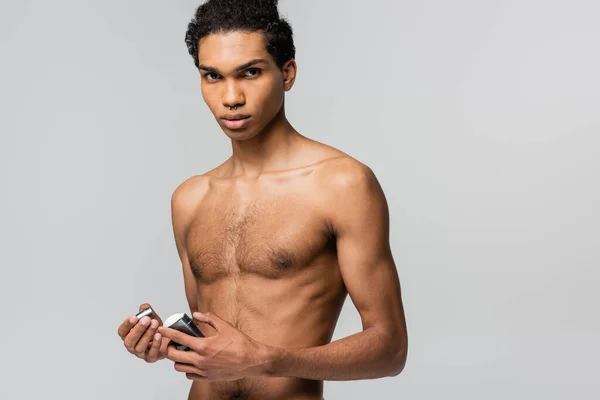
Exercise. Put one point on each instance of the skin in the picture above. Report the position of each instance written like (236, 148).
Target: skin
(271, 243)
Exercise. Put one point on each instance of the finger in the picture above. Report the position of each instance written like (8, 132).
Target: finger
(126, 326)
(181, 356)
(180, 337)
(194, 377)
(142, 344)
(164, 346)
(135, 334)
(211, 319)
(153, 353)
(188, 369)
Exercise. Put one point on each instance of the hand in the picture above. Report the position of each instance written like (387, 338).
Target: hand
(140, 337)
(226, 356)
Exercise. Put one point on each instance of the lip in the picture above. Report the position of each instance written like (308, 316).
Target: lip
(235, 121)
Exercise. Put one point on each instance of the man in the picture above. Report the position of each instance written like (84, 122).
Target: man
(272, 240)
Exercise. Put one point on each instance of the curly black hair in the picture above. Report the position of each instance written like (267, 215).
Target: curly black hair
(223, 16)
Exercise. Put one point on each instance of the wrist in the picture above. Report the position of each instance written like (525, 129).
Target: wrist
(270, 361)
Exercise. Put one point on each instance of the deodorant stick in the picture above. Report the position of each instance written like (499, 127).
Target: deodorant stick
(146, 312)
(183, 323)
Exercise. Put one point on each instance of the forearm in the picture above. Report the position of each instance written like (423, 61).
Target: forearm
(366, 355)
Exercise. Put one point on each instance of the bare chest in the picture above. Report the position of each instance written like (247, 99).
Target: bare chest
(267, 236)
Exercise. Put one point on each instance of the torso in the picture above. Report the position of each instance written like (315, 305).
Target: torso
(263, 257)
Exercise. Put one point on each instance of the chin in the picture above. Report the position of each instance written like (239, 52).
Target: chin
(241, 134)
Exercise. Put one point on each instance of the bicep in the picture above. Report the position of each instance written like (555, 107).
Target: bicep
(180, 214)
(361, 226)
(190, 285)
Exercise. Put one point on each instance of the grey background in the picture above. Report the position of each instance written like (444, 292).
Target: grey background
(480, 118)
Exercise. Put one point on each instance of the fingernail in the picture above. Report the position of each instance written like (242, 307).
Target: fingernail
(132, 319)
(154, 324)
(157, 337)
(145, 321)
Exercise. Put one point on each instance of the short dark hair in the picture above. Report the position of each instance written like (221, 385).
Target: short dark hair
(224, 16)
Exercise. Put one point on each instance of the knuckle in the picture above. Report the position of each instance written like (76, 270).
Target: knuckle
(123, 331)
(128, 346)
(140, 348)
(199, 362)
(202, 347)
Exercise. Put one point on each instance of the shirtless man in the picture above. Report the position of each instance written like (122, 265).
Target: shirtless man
(272, 240)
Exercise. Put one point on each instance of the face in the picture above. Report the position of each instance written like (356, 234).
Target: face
(238, 72)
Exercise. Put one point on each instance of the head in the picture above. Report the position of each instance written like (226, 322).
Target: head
(245, 54)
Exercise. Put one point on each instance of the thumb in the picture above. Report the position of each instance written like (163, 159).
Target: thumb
(211, 319)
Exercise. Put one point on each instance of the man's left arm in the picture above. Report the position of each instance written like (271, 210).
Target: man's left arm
(360, 221)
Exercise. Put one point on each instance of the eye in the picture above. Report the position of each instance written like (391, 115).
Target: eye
(252, 72)
(211, 76)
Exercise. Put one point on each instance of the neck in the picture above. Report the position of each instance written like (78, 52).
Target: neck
(267, 151)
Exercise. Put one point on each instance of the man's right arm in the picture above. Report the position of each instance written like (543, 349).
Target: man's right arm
(140, 338)
(183, 204)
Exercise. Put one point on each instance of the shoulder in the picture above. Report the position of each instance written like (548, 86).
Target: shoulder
(350, 193)
(186, 198)
(335, 169)
(184, 202)
(191, 191)
(345, 174)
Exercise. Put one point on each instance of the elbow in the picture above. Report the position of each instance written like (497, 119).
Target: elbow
(393, 353)
(398, 362)
(398, 352)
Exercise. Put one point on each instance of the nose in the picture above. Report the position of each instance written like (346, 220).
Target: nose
(233, 95)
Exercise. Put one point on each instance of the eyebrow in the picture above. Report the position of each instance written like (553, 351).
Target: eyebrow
(238, 68)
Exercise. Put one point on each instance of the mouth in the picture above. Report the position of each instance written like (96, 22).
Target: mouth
(236, 121)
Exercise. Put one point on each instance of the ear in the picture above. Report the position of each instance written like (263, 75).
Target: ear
(289, 70)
